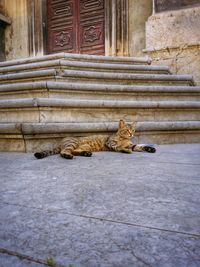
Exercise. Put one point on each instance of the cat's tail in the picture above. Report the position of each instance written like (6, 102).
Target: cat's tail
(46, 153)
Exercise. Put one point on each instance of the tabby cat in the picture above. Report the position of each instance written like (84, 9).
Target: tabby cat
(84, 146)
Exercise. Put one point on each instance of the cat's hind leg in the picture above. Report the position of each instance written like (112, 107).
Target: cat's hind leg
(66, 154)
(83, 150)
(68, 145)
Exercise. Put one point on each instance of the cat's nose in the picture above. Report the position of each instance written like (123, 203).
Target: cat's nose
(129, 133)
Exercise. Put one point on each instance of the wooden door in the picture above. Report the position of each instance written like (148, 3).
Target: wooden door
(76, 26)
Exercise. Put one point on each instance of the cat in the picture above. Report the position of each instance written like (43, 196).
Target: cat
(84, 146)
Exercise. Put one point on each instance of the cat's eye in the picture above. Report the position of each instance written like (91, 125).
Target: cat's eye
(127, 132)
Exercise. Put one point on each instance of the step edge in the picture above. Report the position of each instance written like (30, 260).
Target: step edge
(72, 127)
(99, 87)
(75, 64)
(63, 55)
(82, 103)
(110, 75)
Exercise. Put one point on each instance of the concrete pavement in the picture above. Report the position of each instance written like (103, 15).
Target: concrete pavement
(110, 210)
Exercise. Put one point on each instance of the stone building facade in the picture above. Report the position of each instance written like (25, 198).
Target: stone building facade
(166, 30)
(173, 36)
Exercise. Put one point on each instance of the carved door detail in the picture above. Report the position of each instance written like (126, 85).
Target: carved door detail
(76, 26)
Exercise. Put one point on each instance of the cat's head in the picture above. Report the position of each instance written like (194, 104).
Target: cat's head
(126, 130)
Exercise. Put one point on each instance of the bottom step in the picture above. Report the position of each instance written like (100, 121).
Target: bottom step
(30, 137)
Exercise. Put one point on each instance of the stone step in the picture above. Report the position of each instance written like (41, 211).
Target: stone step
(28, 76)
(43, 99)
(97, 77)
(124, 78)
(97, 91)
(80, 58)
(84, 66)
(70, 110)
(31, 137)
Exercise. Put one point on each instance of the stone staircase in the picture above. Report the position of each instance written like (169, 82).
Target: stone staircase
(43, 99)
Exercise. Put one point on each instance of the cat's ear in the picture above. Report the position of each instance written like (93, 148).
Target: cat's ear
(134, 125)
(121, 124)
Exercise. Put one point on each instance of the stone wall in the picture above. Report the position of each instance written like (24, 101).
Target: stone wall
(173, 38)
(16, 35)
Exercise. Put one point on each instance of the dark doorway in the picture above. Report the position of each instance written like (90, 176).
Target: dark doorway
(166, 5)
(2, 42)
(76, 26)
(4, 21)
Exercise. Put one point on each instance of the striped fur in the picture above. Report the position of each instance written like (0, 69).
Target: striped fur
(84, 146)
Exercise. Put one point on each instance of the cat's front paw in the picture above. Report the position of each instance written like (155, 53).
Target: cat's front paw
(40, 155)
(149, 148)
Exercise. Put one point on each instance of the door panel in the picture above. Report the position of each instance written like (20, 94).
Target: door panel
(92, 27)
(61, 26)
(76, 26)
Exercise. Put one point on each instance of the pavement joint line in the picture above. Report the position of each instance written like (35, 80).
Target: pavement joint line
(130, 224)
(22, 256)
(180, 163)
(106, 220)
(176, 182)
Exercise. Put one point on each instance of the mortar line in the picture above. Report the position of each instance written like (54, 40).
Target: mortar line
(106, 220)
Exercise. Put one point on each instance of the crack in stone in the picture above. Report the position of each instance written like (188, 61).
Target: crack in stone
(22, 256)
(107, 220)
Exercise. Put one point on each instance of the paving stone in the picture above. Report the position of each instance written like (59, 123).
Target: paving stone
(89, 242)
(111, 209)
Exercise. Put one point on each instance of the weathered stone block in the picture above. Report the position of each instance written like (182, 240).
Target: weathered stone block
(173, 38)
